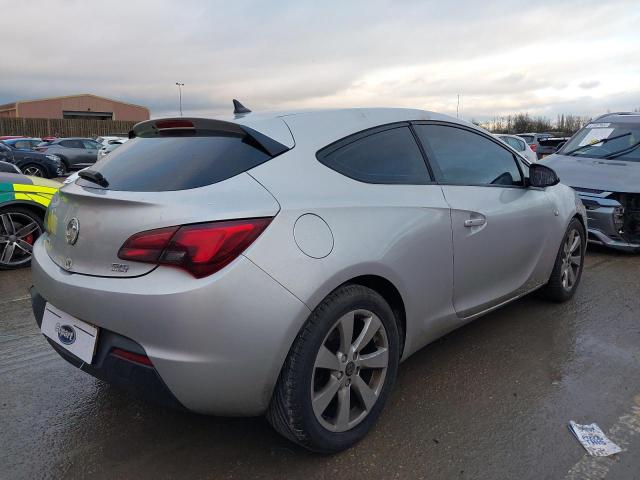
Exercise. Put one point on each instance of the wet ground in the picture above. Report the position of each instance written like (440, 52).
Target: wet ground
(489, 401)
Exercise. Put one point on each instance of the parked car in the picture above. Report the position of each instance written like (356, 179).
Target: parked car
(602, 163)
(109, 147)
(23, 202)
(549, 145)
(104, 140)
(75, 153)
(215, 267)
(519, 145)
(32, 163)
(23, 143)
(6, 167)
(8, 137)
(533, 139)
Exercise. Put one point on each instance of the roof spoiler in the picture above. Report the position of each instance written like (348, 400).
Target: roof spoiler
(168, 127)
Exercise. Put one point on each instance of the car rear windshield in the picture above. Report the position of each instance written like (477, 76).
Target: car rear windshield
(165, 163)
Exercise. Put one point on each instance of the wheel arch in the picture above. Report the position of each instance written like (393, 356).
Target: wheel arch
(34, 207)
(387, 290)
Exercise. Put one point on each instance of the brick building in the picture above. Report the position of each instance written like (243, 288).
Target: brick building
(81, 106)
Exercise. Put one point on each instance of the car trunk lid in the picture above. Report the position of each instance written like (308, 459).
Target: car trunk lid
(86, 227)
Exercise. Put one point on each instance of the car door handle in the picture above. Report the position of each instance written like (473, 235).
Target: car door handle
(475, 222)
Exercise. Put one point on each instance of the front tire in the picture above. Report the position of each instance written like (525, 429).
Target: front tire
(567, 270)
(339, 372)
(34, 171)
(19, 229)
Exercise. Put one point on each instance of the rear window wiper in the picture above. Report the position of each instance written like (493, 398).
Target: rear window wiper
(623, 151)
(604, 140)
(94, 177)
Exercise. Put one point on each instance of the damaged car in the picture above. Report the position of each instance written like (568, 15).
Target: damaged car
(602, 164)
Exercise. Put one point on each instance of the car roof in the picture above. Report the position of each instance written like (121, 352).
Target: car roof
(71, 138)
(321, 127)
(512, 135)
(619, 117)
(15, 140)
(313, 127)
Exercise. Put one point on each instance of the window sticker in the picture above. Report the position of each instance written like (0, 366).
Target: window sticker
(598, 125)
(595, 136)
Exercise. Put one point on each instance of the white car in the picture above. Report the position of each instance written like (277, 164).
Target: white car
(110, 146)
(108, 138)
(519, 145)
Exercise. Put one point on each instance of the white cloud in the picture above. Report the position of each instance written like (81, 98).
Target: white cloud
(548, 57)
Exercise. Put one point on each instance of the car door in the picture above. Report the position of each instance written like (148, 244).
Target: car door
(89, 152)
(72, 150)
(499, 226)
(6, 154)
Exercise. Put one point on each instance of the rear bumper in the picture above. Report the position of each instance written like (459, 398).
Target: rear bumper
(217, 343)
(140, 380)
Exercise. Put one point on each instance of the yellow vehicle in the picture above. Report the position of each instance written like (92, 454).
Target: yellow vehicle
(23, 204)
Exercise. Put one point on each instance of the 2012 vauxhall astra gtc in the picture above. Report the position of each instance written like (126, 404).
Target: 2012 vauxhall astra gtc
(285, 264)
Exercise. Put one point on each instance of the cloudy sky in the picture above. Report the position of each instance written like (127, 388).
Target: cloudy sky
(542, 57)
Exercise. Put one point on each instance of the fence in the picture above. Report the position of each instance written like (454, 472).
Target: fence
(42, 127)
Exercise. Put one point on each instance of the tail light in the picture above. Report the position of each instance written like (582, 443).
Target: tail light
(201, 249)
(533, 147)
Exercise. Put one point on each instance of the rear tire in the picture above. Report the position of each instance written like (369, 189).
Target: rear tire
(567, 273)
(336, 378)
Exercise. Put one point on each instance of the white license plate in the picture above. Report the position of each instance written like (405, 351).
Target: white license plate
(74, 335)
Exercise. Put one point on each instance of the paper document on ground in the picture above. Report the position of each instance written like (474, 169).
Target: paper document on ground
(593, 440)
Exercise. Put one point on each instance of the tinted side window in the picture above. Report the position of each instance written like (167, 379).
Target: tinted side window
(466, 158)
(71, 143)
(390, 156)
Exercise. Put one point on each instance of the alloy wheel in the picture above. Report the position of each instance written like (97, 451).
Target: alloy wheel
(349, 370)
(33, 171)
(571, 259)
(17, 234)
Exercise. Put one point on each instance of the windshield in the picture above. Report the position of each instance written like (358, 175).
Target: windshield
(601, 139)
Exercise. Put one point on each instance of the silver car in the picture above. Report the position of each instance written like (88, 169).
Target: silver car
(285, 264)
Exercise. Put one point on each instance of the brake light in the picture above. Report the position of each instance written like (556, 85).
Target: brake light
(533, 147)
(174, 124)
(201, 249)
(147, 246)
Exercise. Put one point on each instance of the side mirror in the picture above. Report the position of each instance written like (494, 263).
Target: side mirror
(542, 176)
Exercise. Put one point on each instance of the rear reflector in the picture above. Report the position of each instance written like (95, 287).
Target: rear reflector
(132, 357)
(201, 249)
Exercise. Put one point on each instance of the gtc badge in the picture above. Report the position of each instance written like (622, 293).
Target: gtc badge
(73, 230)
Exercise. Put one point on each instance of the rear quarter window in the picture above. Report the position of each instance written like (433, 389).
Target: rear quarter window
(153, 164)
(390, 156)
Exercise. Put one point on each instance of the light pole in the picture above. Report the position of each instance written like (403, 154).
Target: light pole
(180, 85)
